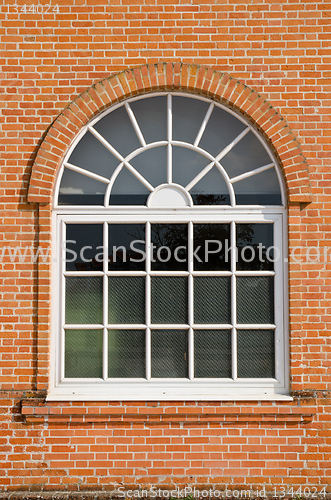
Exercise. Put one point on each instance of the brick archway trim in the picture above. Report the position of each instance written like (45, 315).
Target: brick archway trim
(169, 76)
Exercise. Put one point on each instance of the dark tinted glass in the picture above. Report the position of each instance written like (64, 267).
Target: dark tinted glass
(169, 299)
(126, 353)
(258, 238)
(212, 299)
(212, 247)
(128, 190)
(169, 353)
(187, 117)
(256, 353)
(126, 247)
(80, 236)
(77, 189)
(83, 353)
(169, 247)
(211, 189)
(212, 354)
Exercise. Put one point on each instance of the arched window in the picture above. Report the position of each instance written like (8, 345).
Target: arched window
(170, 221)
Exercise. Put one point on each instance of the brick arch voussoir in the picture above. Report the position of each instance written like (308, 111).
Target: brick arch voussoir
(221, 87)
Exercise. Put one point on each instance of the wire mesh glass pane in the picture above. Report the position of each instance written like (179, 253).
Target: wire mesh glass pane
(212, 354)
(255, 299)
(211, 189)
(212, 247)
(186, 164)
(169, 299)
(126, 299)
(187, 117)
(222, 128)
(126, 247)
(126, 353)
(83, 300)
(79, 237)
(169, 247)
(212, 299)
(256, 353)
(91, 155)
(128, 190)
(117, 129)
(259, 189)
(151, 115)
(83, 353)
(169, 354)
(254, 244)
(77, 189)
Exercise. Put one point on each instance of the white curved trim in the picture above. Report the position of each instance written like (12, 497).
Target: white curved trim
(166, 185)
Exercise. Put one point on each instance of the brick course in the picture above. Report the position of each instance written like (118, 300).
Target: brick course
(271, 61)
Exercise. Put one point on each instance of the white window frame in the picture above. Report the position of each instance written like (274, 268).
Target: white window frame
(171, 389)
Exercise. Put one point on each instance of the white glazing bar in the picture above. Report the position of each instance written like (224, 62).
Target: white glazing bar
(255, 327)
(105, 143)
(165, 326)
(232, 144)
(233, 301)
(83, 273)
(190, 303)
(204, 124)
(105, 302)
(167, 273)
(124, 326)
(255, 273)
(139, 176)
(213, 326)
(212, 273)
(135, 124)
(62, 302)
(148, 303)
(251, 173)
(169, 137)
(126, 273)
(87, 173)
(196, 179)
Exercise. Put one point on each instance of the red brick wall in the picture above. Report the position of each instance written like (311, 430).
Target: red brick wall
(281, 50)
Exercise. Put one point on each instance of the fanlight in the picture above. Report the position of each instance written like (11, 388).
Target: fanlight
(169, 150)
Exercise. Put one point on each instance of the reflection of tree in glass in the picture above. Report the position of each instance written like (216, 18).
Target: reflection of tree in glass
(213, 240)
(257, 256)
(171, 236)
(210, 199)
(126, 235)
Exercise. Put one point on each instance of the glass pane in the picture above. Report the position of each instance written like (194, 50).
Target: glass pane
(83, 236)
(259, 189)
(117, 129)
(222, 128)
(259, 239)
(169, 247)
(187, 117)
(169, 354)
(77, 189)
(212, 247)
(246, 155)
(255, 299)
(212, 354)
(126, 299)
(186, 164)
(151, 115)
(127, 190)
(126, 353)
(83, 300)
(212, 299)
(83, 353)
(93, 156)
(169, 299)
(256, 353)
(211, 190)
(126, 247)
(152, 165)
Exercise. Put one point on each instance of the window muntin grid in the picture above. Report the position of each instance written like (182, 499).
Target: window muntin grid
(108, 174)
(142, 281)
